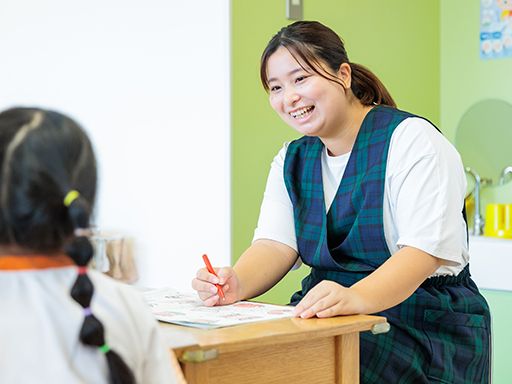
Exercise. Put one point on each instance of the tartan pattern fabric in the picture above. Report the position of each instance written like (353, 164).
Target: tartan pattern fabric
(441, 334)
(438, 335)
(356, 212)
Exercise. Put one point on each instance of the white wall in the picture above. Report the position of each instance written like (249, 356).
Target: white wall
(149, 81)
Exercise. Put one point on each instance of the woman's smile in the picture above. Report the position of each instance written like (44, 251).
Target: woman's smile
(303, 113)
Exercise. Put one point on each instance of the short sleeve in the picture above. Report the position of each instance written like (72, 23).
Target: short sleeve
(426, 190)
(276, 221)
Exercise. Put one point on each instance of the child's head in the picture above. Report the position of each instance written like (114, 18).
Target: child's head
(47, 189)
(43, 156)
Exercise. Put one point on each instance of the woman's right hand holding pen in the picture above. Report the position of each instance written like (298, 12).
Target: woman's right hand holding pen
(257, 270)
(205, 285)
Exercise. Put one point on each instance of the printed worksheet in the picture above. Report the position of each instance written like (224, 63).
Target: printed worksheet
(171, 306)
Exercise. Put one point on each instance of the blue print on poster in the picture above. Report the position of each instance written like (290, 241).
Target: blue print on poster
(495, 29)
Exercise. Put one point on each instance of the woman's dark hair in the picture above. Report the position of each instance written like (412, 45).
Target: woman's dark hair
(312, 43)
(43, 156)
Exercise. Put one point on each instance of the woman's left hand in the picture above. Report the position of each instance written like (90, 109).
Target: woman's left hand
(328, 299)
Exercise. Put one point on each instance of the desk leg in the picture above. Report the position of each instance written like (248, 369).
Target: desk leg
(347, 358)
(196, 373)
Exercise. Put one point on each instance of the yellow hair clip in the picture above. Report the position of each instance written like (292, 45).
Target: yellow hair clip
(70, 197)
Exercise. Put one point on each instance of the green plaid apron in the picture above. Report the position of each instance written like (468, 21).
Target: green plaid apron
(438, 335)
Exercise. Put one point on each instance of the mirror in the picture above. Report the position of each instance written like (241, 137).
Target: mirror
(484, 139)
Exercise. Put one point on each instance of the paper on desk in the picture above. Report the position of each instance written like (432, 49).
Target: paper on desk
(171, 306)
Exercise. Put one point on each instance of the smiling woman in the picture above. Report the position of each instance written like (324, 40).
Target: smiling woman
(309, 68)
(371, 198)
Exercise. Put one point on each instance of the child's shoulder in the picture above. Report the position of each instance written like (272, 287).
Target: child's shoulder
(114, 290)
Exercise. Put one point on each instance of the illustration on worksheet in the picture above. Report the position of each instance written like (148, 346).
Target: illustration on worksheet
(171, 306)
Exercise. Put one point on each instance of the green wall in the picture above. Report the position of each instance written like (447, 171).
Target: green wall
(257, 133)
(400, 41)
(466, 80)
(388, 37)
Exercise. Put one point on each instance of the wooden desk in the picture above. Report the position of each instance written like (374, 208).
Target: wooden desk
(278, 351)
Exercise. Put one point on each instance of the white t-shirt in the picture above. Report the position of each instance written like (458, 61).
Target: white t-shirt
(40, 323)
(423, 196)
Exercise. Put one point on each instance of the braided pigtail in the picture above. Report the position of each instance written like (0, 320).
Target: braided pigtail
(80, 250)
(44, 155)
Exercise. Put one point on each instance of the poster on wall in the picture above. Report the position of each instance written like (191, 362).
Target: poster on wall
(495, 29)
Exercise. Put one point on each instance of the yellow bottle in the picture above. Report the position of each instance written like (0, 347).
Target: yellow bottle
(498, 220)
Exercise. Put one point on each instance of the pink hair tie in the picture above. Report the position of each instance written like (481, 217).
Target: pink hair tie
(82, 232)
(87, 311)
(82, 270)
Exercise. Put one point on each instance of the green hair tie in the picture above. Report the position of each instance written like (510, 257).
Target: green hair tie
(104, 348)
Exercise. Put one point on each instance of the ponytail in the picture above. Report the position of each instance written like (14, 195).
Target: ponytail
(92, 332)
(368, 88)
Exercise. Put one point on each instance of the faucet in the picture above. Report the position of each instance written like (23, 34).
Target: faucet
(505, 175)
(478, 220)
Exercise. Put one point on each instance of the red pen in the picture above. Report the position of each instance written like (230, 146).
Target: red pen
(210, 269)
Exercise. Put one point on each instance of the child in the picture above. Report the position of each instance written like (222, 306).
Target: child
(60, 321)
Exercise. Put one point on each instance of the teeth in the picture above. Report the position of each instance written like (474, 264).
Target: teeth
(301, 112)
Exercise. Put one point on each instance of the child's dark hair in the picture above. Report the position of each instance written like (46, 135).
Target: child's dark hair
(312, 43)
(47, 189)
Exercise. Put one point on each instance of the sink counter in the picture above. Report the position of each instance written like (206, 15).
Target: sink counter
(490, 262)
